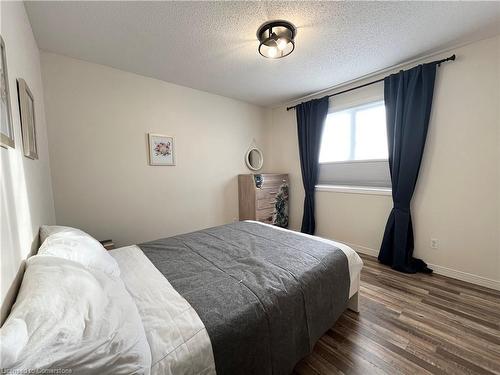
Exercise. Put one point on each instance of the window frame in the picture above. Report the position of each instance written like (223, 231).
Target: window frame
(333, 180)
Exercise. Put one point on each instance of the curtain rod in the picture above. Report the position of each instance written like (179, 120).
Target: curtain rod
(437, 62)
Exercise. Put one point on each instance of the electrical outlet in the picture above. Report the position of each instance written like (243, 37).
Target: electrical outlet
(434, 243)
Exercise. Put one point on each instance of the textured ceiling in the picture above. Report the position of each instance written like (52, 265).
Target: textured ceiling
(212, 46)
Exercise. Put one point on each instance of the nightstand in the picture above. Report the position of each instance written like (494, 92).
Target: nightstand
(108, 244)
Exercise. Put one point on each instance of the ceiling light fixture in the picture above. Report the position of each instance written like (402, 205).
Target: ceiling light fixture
(276, 39)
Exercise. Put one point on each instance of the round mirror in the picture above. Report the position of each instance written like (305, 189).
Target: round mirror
(254, 159)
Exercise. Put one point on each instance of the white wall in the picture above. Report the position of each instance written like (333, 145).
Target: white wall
(98, 119)
(26, 187)
(457, 199)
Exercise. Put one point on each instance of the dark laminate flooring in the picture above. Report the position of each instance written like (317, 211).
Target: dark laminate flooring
(412, 324)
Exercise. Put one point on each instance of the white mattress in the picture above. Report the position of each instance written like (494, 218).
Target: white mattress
(178, 339)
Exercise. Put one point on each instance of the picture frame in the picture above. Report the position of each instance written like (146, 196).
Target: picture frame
(28, 119)
(7, 128)
(161, 149)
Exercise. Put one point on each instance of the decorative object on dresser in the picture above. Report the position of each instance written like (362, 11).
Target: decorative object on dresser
(264, 197)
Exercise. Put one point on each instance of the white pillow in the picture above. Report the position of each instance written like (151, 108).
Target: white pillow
(76, 245)
(67, 317)
(47, 230)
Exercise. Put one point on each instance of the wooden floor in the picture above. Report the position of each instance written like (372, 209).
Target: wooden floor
(412, 324)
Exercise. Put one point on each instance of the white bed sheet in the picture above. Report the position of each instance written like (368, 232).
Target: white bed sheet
(177, 337)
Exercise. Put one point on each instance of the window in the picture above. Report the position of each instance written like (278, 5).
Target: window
(354, 147)
(357, 133)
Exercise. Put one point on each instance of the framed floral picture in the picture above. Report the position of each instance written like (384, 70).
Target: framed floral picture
(161, 149)
(27, 107)
(6, 131)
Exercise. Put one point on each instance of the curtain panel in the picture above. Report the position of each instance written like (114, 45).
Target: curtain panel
(311, 118)
(408, 100)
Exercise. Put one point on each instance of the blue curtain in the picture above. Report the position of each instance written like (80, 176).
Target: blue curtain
(310, 120)
(408, 101)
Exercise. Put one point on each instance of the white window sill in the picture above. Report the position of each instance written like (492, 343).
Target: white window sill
(356, 161)
(355, 189)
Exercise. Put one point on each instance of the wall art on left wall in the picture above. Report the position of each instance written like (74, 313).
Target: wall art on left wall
(161, 149)
(27, 107)
(6, 128)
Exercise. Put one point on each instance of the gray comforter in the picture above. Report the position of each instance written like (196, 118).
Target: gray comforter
(265, 295)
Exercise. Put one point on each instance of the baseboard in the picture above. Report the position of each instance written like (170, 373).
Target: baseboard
(440, 270)
(464, 276)
(362, 249)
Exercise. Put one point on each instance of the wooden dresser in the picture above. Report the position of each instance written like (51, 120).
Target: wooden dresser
(264, 197)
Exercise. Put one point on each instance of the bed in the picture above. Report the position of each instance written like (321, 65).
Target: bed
(242, 298)
(250, 298)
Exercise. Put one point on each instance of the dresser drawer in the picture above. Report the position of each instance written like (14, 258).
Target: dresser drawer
(265, 215)
(273, 180)
(267, 193)
(265, 203)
